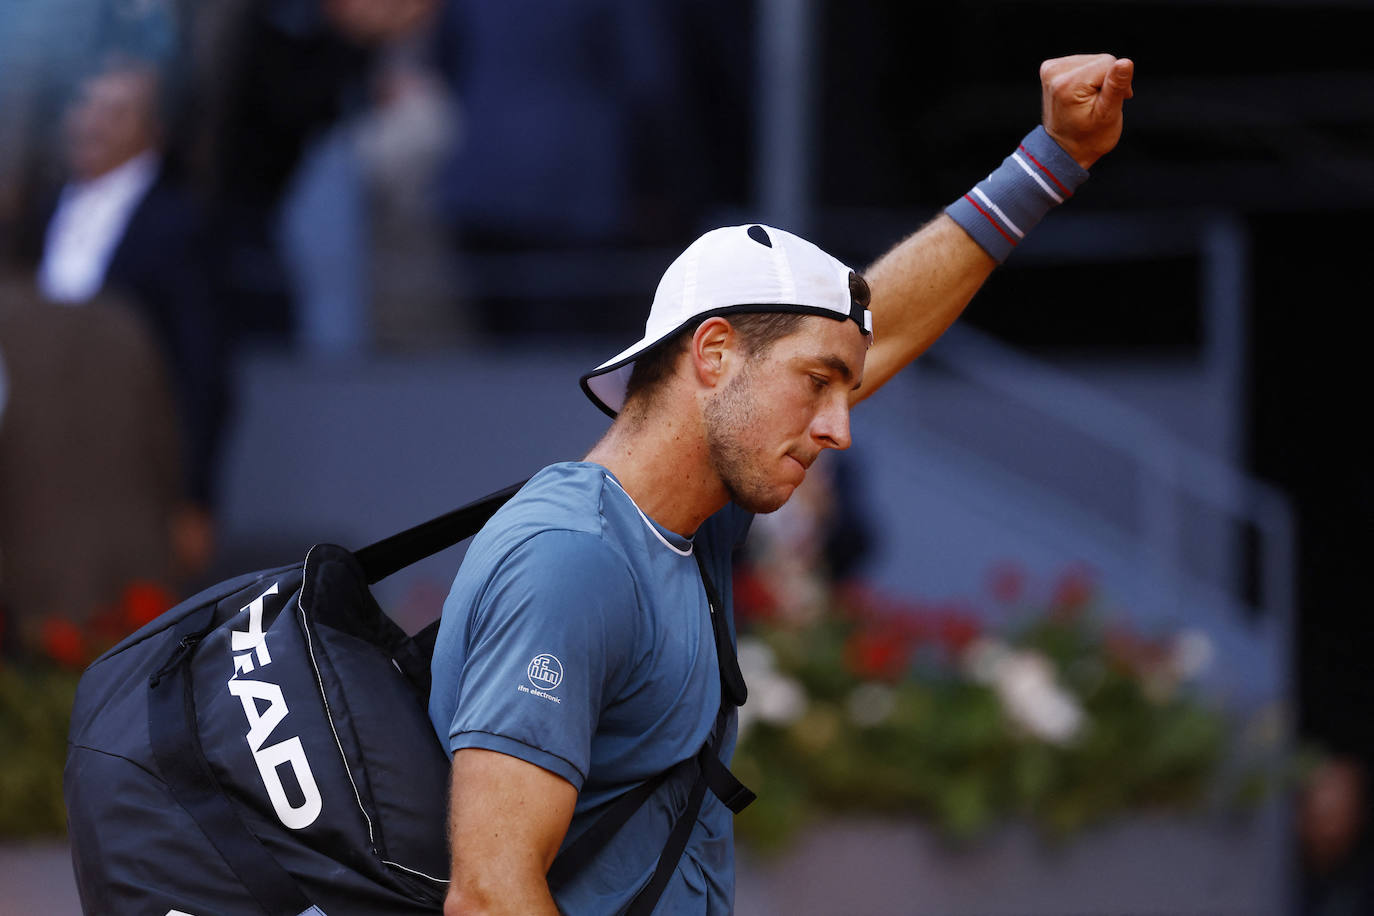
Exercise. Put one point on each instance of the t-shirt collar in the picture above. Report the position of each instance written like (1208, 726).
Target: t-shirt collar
(675, 542)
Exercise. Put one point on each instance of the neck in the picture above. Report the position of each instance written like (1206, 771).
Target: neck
(665, 467)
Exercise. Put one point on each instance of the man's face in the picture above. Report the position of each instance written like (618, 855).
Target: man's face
(111, 120)
(782, 409)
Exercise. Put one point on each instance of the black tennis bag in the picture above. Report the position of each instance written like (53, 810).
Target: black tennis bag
(265, 748)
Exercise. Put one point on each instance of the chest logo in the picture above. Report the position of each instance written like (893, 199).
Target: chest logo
(545, 672)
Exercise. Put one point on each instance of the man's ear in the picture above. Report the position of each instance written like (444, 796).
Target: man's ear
(712, 350)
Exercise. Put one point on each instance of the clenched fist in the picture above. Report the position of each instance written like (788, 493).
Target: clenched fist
(1082, 97)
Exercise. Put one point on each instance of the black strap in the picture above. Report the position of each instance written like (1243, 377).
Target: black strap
(733, 692)
(579, 853)
(732, 687)
(647, 898)
(644, 902)
(711, 772)
(395, 553)
(724, 785)
(175, 740)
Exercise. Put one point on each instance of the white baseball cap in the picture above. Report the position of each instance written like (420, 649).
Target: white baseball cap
(749, 268)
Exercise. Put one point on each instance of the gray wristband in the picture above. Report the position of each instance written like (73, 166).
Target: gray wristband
(1001, 210)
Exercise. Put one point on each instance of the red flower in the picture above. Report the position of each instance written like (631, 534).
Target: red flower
(64, 642)
(880, 652)
(143, 602)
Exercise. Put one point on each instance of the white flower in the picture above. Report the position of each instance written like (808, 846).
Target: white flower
(1025, 683)
(773, 697)
(1191, 654)
(755, 656)
(780, 700)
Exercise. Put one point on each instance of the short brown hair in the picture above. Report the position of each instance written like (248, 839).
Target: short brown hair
(758, 332)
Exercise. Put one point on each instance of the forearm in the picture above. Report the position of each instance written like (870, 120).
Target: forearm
(919, 288)
(922, 285)
(507, 819)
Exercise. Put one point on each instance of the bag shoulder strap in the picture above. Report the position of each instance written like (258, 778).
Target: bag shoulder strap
(395, 553)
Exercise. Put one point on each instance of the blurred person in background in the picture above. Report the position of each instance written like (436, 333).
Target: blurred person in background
(578, 136)
(124, 224)
(278, 84)
(1333, 830)
(90, 475)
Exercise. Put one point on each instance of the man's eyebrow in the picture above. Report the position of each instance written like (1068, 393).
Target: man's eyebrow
(840, 366)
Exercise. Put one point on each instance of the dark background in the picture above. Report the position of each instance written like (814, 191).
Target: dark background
(1264, 110)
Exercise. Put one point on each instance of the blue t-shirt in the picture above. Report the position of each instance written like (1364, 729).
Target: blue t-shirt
(577, 637)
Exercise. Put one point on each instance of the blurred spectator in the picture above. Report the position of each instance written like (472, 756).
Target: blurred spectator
(564, 107)
(123, 224)
(401, 141)
(1338, 855)
(278, 82)
(89, 461)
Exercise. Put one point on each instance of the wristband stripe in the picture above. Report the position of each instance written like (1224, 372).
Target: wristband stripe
(1039, 165)
(1036, 178)
(998, 210)
(989, 218)
(1002, 209)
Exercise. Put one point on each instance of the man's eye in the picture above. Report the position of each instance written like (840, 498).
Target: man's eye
(819, 382)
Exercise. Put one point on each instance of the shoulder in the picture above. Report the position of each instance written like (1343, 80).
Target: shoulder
(559, 502)
(566, 561)
(561, 497)
(549, 545)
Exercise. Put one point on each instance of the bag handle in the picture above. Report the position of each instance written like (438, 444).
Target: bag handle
(395, 553)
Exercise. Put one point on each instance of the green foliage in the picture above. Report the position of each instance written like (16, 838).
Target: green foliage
(35, 708)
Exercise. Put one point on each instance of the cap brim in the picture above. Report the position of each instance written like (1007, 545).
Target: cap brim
(606, 384)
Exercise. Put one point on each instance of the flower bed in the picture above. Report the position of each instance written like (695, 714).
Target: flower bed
(1055, 716)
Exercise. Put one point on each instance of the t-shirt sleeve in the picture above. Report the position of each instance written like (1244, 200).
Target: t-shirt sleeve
(549, 638)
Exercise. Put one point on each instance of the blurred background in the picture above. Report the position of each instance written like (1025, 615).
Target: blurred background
(1089, 584)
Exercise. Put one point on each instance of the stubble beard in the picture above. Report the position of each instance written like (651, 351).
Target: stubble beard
(730, 414)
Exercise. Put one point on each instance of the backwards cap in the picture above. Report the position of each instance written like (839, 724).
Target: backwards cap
(749, 268)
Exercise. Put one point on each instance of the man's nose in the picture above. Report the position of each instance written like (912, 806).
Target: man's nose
(831, 426)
